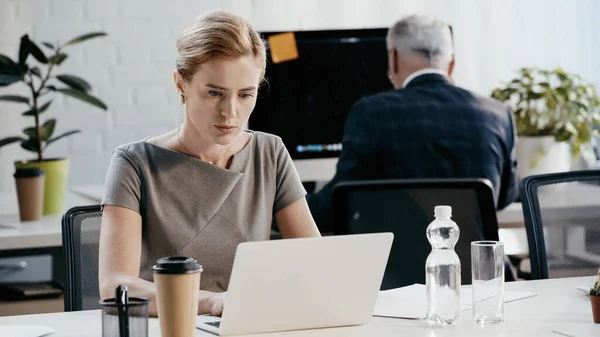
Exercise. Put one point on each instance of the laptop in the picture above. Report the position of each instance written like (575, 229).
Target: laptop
(305, 283)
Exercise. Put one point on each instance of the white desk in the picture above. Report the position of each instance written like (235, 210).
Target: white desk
(511, 215)
(558, 307)
(25, 235)
(512, 229)
(15, 234)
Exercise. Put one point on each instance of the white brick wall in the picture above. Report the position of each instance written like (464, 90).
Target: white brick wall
(131, 68)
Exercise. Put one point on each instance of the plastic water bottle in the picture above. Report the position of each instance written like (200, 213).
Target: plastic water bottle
(443, 270)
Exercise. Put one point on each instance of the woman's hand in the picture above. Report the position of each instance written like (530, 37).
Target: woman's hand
(210, 304)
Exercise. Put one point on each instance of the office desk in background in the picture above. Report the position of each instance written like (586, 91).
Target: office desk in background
(32, 252)
(47, 233)
(559, 309)
(15, 234)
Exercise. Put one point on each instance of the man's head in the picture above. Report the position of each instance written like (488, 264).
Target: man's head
(418, 42)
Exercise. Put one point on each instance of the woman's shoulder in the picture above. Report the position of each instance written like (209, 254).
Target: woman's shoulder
(266, 142)
(132, 149)
(141, 152)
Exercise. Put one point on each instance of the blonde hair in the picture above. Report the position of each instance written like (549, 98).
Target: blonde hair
(218, 34)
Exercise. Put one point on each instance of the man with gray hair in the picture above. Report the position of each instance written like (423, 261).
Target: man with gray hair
(426, 127)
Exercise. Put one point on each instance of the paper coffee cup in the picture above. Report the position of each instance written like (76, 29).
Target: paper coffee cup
(30, 193)
(177, 281)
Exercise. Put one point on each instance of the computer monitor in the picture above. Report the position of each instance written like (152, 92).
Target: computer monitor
(307, 99)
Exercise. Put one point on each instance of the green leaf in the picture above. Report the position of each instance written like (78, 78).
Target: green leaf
(14, 98)
(10, 140)
(6, 80)
(33, 111)
(84, 37)
(48, 44)
(30, 144)
(37, 52)
(6, 61)
(36, 72)
(47, 129)
(84, 97)
(23, 49)
(58, 59)
(75, 82)
(68, 133)
(45, 106)
(30, 132)
(30, 112)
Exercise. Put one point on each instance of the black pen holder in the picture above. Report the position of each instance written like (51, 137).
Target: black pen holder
(130, 320)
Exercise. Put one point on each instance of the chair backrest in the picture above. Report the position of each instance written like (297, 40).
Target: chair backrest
(562, 218)
(81, 237)
(405, 207)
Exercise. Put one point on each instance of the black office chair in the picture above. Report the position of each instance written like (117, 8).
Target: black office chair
(562, 218)
(81, 236)
(405, 207)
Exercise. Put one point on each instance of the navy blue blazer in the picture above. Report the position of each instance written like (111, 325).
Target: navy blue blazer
(429, 129)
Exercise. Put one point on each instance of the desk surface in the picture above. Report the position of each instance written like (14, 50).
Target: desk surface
(15, 234)
(558, 310)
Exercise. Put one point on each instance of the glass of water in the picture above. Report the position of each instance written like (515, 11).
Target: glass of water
(487, 270)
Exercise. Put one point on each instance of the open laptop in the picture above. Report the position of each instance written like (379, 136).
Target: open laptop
(303, 283)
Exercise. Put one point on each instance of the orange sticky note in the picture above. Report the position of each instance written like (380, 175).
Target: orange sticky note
(283, 47)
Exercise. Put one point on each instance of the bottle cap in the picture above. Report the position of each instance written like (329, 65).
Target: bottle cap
(443, 211)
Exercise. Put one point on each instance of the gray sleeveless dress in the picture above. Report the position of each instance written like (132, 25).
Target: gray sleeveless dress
(193, 208)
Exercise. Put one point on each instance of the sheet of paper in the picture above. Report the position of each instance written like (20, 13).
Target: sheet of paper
(405, 302)
(411, 301)
(283, 47)
(466, 296)
(25, 331)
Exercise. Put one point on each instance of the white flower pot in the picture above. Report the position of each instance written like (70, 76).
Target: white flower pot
(541, 155)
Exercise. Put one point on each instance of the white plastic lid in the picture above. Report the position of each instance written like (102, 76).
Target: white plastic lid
(443, 211)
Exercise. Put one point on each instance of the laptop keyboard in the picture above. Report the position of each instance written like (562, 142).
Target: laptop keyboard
(215, 324)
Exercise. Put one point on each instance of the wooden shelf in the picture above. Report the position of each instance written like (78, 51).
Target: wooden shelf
(32, 307)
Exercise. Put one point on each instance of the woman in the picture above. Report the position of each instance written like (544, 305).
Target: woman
(205, 187)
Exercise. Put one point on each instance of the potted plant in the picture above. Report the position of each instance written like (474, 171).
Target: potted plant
(556, 114)
(595, 299)
(42, 85)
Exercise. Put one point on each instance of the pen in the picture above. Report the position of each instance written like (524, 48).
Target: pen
(125, 301)
(122, 299)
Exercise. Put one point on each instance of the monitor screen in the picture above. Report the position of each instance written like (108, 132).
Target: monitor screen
(308, 98)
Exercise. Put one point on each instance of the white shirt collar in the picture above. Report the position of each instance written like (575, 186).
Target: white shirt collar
(422, 72)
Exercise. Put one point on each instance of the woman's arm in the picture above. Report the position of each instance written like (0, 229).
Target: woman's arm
(295, 221)
(120, 258)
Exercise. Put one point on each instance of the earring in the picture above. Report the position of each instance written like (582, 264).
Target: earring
(181, 99)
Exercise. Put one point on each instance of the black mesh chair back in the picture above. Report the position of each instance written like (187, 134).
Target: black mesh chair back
(562, 218)
(405, 207)
(81, 237)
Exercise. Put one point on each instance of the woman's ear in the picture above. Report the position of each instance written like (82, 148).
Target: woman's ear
(179, 82)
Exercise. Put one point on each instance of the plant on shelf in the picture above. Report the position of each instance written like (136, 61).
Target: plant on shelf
(595, 291)
(553, 105)
(595, 299)
(40, 135)
(42, 84)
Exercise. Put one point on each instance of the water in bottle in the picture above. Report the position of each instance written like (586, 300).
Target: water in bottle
(443, 270)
